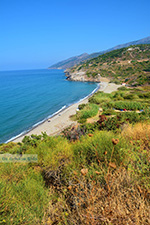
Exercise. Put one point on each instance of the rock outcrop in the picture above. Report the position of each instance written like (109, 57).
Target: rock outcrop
(81, 76)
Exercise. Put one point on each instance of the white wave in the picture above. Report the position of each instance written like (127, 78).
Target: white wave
(90, 93)
(13, 138)
(64, 107)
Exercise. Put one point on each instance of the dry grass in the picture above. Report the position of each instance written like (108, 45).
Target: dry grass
(140, 132)
(91, 203)
(118, 197)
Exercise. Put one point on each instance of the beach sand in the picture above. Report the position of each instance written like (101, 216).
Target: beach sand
(59, 122)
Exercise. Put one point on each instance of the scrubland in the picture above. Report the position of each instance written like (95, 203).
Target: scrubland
(97, 172)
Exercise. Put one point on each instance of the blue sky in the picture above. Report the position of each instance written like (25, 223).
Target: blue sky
(35, 34)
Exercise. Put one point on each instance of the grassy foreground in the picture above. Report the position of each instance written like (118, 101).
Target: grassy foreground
(96, 173)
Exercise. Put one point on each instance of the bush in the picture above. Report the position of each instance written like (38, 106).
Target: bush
(89, 127)
(144, 95)
(131, 96)
(129, 105)
(132, 117)
(81, 106)
(112, 123)
(118, 95)
(109, 112)
(88, 111)
(82, 120)
(122, 88)
(74, 133)
(100, 97)
(93, 149)
(99, 100)
(52, 152)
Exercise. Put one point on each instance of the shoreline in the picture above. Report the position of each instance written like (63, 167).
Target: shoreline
(65, 107)
(51, 116)
(56, 123)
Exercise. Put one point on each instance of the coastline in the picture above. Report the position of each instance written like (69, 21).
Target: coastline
(61, 119)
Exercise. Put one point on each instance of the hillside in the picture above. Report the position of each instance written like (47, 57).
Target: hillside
(78, 59)
(130, 65)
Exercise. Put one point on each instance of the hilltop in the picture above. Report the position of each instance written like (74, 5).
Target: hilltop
(130, 65)
(70, 62)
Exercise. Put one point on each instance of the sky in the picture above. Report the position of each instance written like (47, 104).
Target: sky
(35, 34)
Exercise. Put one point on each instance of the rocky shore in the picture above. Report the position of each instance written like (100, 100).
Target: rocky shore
(81, 76)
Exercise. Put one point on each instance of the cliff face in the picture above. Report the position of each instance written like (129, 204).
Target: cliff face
(81, 76)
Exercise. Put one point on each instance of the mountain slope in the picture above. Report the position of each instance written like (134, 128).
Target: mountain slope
(141, 41)
(70, 62)
(130, 65)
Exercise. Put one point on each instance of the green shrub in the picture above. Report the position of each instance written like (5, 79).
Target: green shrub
(88, 111)
(112, 123)
(89, 127)
(132, 117)
(52, 151)
(123, 88)
(118, 95)
(81, 106)
(131, 96)
(92, 150)
(144, 95)
(82, 120)
(109, 112)
(99, 100)
(129, 105)
(100, 97)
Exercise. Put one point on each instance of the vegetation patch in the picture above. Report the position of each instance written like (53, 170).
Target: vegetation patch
(88, 111)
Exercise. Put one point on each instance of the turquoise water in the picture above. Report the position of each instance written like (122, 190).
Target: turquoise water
(28, 97)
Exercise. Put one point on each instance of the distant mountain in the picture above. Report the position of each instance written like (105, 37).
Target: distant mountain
(68, 63)
(141, 41)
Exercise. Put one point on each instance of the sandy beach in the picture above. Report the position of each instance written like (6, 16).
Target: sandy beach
(59, 122)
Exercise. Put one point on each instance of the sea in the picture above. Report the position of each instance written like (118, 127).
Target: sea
(29, 97)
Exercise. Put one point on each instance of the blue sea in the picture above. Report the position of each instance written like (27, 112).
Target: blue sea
(29, 97)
